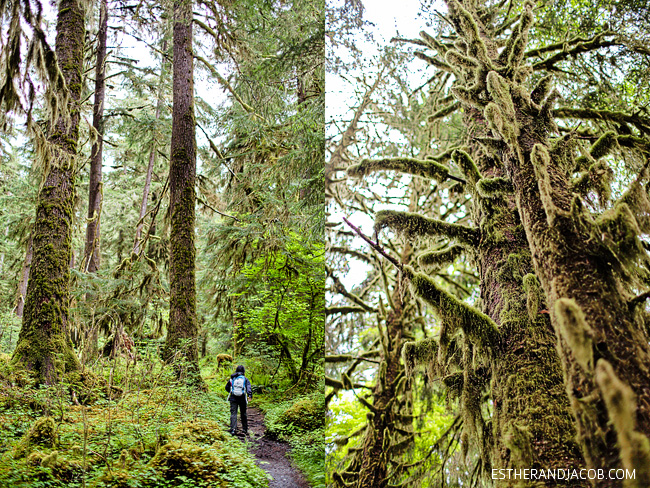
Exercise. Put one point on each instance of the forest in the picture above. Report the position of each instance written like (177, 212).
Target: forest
(161, 224)
(488, 223)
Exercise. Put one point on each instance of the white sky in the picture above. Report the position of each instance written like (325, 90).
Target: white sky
(390, 18)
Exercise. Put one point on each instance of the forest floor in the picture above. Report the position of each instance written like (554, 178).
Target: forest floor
(271, 454)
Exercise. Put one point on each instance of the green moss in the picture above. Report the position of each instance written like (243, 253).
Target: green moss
(534, 295)
(621, 407)
(174, 460)
(467, 166)
(603, 146)
(427, 169)
(42, 434)
(439, 259)
(494, 187)
(415, 224)
(476, 326)
(542, 89)
(420, 353)
(575, 331)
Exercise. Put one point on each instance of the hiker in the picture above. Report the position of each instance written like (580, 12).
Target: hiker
(240, 392)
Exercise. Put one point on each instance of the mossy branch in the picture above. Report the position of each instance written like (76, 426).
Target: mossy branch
(440, 258)
(641, 123)
(415, 224)
(418, 167)
(480, 329)
(444, 111)
(494, 187)
(467, 166)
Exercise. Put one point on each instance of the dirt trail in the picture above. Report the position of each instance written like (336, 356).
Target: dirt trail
(272, 455)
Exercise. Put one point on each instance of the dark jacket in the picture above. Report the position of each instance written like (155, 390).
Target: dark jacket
(247, 385)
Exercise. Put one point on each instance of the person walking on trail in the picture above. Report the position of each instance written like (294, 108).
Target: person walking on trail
(240, 391)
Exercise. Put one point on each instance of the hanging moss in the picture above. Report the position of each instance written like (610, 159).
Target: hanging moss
(499, 90)
(533, 295)
(415, 224)
(467, 166)
(477, 326)
(438, 259)
(575, 331)
(541, 159)
(621, 407)
(420, 353)
(427, 169)
(470, 29)
(494, 187)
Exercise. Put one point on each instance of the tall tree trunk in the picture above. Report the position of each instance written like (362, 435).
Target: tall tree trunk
(152, 158)
(24, 278)
(182, 332)
(43, 345)
(92, 250)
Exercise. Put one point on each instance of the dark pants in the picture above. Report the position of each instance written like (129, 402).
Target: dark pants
(241, 403)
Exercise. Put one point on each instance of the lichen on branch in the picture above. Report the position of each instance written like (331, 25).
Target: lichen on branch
(418, 167)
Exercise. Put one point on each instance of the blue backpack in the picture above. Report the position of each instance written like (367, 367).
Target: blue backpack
(238, 385)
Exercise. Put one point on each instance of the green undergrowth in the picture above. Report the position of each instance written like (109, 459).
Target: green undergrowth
(140, 428)
(300, 421)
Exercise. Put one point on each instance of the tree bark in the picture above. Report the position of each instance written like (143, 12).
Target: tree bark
(43, 345)
(92, 253)
(182, 335)
(22, 287)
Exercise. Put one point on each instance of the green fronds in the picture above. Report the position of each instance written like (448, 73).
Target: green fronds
(621, 407)
(467, 166)
(415, 224)
(420, 354)
(542, 89)
(575, 331)
(426, 169)
(533, 295)
(480, 329)
(439, 259)
(494, 187)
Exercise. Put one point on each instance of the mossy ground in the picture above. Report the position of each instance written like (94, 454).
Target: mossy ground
(148, 431)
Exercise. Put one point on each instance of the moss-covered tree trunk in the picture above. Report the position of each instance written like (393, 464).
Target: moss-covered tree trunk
(43, 345)
(582, 262)
(92, 247)
(181, 346)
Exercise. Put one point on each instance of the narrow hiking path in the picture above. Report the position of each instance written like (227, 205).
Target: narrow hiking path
(271, 454)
